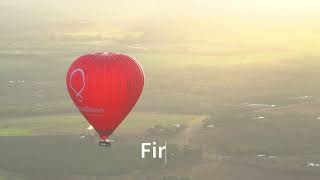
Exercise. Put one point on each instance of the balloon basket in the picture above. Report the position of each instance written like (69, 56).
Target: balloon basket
(105, 143)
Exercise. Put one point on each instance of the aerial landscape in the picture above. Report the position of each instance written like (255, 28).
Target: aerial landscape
(233, 90)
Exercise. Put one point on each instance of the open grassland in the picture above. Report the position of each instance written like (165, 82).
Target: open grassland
(76, 124)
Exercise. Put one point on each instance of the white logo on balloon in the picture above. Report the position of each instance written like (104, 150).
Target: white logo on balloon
(78, 93)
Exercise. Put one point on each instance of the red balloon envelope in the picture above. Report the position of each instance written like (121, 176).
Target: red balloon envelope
(105, 87)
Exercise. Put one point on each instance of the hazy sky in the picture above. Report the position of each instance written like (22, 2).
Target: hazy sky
(144, 9)
(267, 24)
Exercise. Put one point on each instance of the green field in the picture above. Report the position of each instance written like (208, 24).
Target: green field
(75, 124)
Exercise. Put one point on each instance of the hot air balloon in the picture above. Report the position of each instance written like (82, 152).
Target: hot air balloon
(105, 87)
